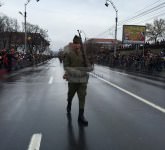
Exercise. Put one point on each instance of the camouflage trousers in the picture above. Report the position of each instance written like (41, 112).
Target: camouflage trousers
(80, 89)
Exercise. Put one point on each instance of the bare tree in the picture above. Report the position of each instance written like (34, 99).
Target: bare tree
(11, 27)
(44, 35)
(156, 30)
(15, 25)
(35, 35)
(36, 38)
(7, 27)
(8, 24)
(2, 25)
(32, 35)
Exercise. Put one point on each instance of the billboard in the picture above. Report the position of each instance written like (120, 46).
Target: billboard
(134, 34)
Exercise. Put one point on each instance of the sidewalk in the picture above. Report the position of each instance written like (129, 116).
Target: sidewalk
(154, 76)
(158, 76)
(4, 74)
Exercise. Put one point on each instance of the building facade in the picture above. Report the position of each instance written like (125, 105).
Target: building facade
(35, 42)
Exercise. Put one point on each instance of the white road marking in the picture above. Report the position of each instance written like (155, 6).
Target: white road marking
(132, 94)
(51, 80)
(120, 73)
(35, 142)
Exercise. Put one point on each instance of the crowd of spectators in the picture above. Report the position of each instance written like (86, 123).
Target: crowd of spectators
(147, 45)
(11, 60)
(144, 62)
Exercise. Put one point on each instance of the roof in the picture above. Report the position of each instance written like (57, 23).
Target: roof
(99, 40)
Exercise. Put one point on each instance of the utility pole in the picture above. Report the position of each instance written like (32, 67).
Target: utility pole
(116, 20)
(25, 16)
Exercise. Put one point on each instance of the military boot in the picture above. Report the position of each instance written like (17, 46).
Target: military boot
(81, 118)
(68, 108)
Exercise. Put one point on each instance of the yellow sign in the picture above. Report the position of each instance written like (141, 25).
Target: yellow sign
(134, 34)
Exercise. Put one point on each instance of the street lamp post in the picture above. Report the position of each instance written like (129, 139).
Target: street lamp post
(25, 16)
(116, 20)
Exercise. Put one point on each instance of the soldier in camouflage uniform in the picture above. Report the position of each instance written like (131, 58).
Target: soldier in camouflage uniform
(77, 77)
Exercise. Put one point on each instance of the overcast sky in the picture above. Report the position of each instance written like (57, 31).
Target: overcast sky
(62, 18)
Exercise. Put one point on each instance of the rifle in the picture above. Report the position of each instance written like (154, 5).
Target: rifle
(82, 50)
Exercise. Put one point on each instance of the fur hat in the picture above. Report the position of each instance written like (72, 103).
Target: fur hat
(76, 39)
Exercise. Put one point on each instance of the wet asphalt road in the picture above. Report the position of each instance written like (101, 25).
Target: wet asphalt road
(34, 101)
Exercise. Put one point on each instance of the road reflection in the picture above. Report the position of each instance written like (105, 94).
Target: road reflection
(74, 143)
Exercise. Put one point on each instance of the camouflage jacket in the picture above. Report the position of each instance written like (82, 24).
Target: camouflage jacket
(74, 66)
